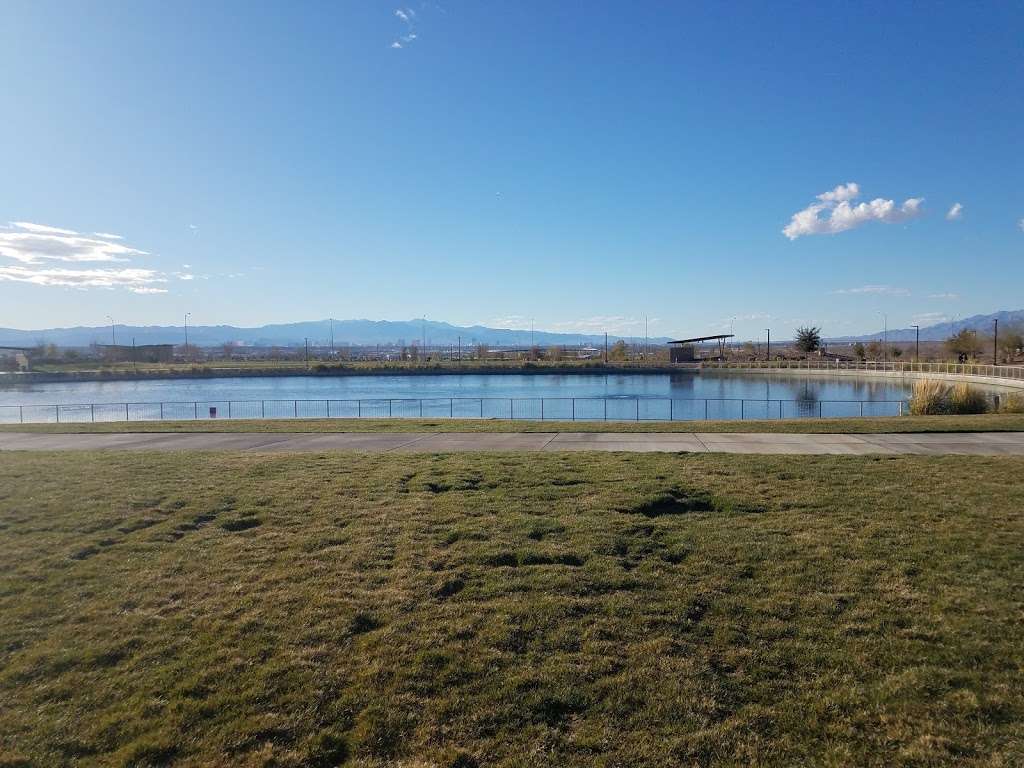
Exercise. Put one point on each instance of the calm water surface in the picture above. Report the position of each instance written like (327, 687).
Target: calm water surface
(707, 384)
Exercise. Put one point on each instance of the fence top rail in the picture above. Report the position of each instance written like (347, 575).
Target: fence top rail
(620, 399)
(980, 369)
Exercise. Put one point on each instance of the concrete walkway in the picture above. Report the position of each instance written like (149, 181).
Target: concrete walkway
(965, 443)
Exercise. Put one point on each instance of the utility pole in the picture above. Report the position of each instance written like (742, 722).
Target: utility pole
(995, 340)
(606, 347)
(135, 364)
(917, 343)
(186, 333)
(768, 352)
(885, 338)
(646, 336)
(332, 337)
(460, 349)
(307, 354)
(113, 338)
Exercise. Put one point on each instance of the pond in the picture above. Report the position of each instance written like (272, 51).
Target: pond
(683, 395)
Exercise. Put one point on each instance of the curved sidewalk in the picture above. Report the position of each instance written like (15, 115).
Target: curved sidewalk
(924, 443)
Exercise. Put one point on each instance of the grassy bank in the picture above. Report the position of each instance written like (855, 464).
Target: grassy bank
(996, 422)
(469, 610)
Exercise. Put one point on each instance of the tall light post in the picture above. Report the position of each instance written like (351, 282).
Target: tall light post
(768, 353)
(885, 338)
(995, 339)
(187, 314)
(917, 343)
(113, 338)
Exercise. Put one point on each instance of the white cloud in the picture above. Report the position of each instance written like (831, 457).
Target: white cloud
(408, 17)
(35, 243)
(955, 213)
(878, 290)
(929, 318)
(42, 229)
(841, 193)
(184, 276)
(1021, 225)
(949, 296)
(131, 278)
(34, 248)
(833, 213)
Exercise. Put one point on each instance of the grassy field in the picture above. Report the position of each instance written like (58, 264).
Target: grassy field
(478, 610)
(996, 422)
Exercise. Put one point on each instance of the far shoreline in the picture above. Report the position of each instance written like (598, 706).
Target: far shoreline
(321, 370)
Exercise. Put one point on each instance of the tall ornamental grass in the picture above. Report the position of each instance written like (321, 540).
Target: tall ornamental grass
(932, 398)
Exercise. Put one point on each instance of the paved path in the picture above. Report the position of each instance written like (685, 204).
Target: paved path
(973, 443)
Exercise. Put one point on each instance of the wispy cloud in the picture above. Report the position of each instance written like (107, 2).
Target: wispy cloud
(408, 17)
(877, 290)
(36, 243)
(135, 280)
(949, 296)
(955, 213)
(834, 212)
(929, 318)
(35, 248)
(1020, 224)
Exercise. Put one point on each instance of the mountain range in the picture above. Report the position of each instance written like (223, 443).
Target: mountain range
(319, 333)
(983, 324)
(434, 333)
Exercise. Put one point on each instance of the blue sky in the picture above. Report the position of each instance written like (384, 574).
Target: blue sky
(581, 164)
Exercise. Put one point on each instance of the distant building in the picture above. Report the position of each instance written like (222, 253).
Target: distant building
(143, 353)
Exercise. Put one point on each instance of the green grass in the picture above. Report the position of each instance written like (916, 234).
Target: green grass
(997, 422)
(460, 610)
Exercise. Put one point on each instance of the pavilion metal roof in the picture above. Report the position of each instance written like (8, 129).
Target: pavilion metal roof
(717, 337)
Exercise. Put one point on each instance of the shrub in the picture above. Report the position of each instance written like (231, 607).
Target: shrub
(1012, 403)
(964, 398)
(931, 398)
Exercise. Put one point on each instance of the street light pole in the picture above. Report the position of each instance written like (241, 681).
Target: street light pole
(113, 338)
(885, 338)
(917, 343)
(186, 333)
(995, 340)
(768, 354)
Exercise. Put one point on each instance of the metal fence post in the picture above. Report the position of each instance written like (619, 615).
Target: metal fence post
(359, 408)
(92, 412)
(574, 409)
(743, 413)
(161, 410)
(511, 409)
(195, 411)
(671, 402)
(542, 409)
(263, 409)
(638, 409)
(229, 409)
(481, 407)
(705, 409)
(295, 408)
(421, 407)
(21, 414)
(126, 411)
(819, 409)
(606, 409)
(56, 409)
(390, 408)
